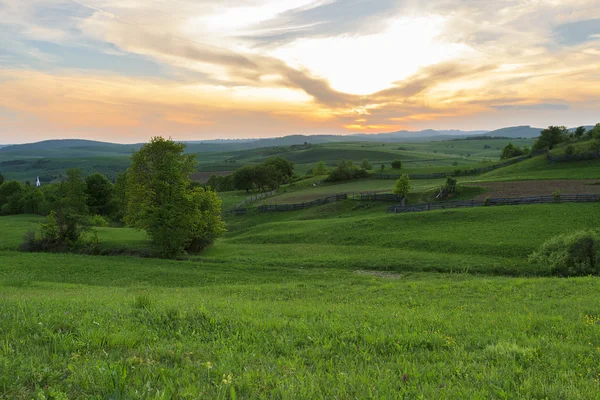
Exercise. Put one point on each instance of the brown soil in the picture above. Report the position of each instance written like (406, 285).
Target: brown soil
(537, 188)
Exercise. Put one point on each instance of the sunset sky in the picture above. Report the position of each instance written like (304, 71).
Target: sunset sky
(202, 69)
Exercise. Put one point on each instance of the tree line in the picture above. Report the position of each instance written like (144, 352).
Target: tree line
(155, 194)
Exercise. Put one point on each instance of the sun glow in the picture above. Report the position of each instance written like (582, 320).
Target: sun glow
(367, 64)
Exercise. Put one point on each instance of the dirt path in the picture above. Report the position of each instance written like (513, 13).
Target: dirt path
(537, 188)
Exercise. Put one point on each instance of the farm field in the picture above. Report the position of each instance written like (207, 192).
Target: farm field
(322, 303)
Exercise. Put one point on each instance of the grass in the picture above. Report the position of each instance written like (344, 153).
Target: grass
(538, 168)
(330, 302)
(120, 327)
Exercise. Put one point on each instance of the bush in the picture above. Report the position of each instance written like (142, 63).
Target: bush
(346, 171)
(570, 150)
(98, 220)
(397, 164)
(575, 254)
(366, 165)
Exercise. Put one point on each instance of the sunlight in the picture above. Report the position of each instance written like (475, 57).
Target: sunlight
(367, 64)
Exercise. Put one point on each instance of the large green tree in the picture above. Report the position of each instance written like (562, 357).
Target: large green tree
(100, 194)
(161, 199)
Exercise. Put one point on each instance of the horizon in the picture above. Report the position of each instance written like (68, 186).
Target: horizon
(192, 70)
(459, 133)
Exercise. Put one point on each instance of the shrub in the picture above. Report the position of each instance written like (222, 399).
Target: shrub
(570, 150)
(346, 171)
(366, 165)
(397, 164)
(98, 220)
(575, 254)
(556, 195)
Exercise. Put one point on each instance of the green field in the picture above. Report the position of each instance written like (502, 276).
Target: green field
(333, 302)
(340, 301)
(50, 161)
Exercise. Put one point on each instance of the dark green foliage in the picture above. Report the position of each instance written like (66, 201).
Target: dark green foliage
(221, 183)
(451, 185)
(1, 179)
(161, 200)
(397, 164)
(345, 171)
(511, 151)
(570, 150)
(551, 137)
(579, 132)
(10, 198)
(244, 178)
(269, 175)
(100, 195)
(575, 254)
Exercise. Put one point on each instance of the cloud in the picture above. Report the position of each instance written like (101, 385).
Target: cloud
(301, 65)
(577, 32)
(530, 107)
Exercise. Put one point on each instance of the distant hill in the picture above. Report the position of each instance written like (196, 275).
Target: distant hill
(516, 132)
(67, 148)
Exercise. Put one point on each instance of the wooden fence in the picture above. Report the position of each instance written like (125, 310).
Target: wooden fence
(256, 197)
(371, 196)
(510, 201)
(237, 211)
(302, 206)
(575, 157)
(465, 172)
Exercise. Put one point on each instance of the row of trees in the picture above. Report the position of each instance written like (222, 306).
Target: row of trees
(555, 135)
(269, 175)
(98, 196)
(155, 194)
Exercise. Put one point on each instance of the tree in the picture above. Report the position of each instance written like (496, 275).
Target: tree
(345, 171)
(579, 132)
(1, 179)
(551, 137)
(243, 178)
(11, 193)
(365, 164)
(397, 164)
(279, 171)
(100, 195)
(511, 151)
(403, 186)
(320, 168)
(161, 199)
(382, 167)
(71, 210)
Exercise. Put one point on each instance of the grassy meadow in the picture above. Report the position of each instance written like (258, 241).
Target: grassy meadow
(341, 301)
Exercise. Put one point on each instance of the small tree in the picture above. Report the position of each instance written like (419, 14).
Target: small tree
(161, 199)
(243, 178)
(365, 164)
(382, 167)
(403, 186)
(397, 164)
(320, 169)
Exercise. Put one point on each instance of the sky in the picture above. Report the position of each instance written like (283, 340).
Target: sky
(126, 70)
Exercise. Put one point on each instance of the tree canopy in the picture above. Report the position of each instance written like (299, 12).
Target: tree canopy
(162, 200)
